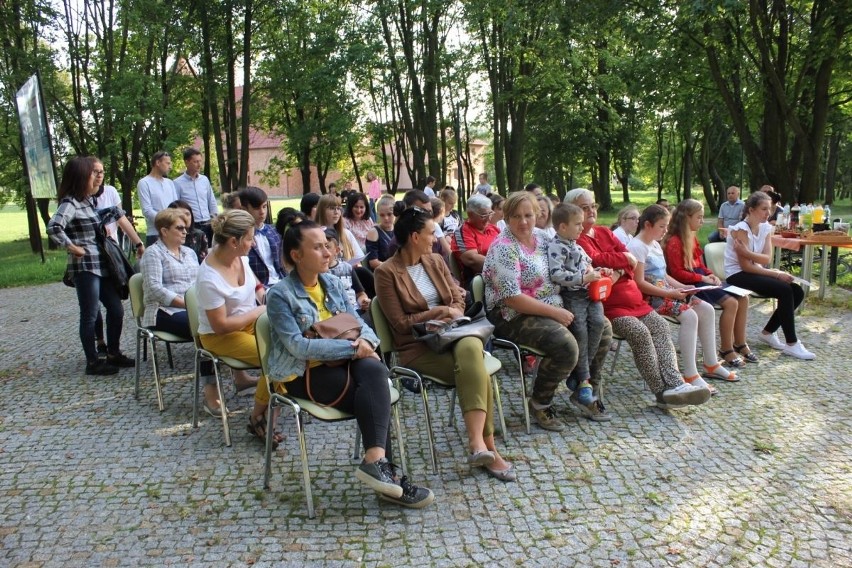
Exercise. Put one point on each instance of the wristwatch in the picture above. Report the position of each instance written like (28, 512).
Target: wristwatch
(138, 245)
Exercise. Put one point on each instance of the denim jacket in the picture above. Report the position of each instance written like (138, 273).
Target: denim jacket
(291, 311)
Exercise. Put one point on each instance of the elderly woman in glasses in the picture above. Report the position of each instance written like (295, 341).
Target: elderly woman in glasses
(169, 269)
(525, 307)
(631, 316)
(471, 241)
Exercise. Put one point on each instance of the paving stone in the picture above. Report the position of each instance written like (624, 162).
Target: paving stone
(91, 477)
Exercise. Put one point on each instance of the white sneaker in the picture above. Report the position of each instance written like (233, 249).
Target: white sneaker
(772, 340)
(685, 394)
(798, 351)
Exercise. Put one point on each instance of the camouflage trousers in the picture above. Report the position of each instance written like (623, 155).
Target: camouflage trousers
(559, 348)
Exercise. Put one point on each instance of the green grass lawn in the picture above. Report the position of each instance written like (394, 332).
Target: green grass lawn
(22, 267)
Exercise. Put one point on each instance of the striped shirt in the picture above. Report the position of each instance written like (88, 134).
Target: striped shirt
(165, 278)
(77, 223)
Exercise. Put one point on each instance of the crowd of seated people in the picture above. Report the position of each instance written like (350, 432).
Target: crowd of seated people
(536, 261)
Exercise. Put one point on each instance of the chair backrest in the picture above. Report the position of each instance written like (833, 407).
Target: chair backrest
(714, 258)
(263, 337)
(477, 288)
(137, 296)
(382, 328)
(191, 300)
(455, 269)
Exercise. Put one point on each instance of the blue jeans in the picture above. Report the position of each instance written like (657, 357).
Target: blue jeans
(92, 291)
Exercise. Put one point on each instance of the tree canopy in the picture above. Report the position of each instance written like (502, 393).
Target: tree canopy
(614, 96)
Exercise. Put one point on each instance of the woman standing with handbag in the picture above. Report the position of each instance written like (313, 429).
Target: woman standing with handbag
(311, 369)
(75, 226)
(415, 286)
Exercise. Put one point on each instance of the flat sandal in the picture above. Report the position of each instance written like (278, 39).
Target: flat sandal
(735, 362)
(750, 356)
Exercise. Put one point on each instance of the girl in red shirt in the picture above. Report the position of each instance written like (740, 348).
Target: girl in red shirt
(685, 264)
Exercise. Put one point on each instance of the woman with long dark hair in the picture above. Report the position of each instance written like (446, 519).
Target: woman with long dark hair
(75, 226)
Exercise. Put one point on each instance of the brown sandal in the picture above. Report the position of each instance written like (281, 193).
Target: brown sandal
(258, 429)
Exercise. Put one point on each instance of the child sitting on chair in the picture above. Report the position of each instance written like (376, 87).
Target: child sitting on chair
(343, 270)
(571, 268)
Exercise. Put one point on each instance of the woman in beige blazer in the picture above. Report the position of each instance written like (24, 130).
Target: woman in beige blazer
(415, 286)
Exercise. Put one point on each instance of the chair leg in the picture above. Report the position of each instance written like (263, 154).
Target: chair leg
(615, 357)
(267, 466)
(452, 420)
(499, 402)
(432, 450)
(356, 448)
(306, 474)
(155, 364)
(138, 363)
(195, 389)
(169, 351)
(520, 359)
(403, 460)
(225, 426)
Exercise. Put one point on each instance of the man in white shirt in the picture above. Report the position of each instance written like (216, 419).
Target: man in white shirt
(484, 188)
(155, 192)
(430, 187)
(195, 188)
(730, 213)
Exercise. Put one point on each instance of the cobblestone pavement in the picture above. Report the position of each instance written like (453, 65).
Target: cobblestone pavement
(759, 476)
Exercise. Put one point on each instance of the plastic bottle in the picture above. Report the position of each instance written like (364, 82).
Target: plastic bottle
(794, 215)
(806, 216)
(827, 212)
(819, 214)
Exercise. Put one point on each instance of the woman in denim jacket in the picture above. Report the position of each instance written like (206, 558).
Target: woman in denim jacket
(359, 387)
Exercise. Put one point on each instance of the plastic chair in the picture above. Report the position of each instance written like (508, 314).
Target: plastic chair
(714, 258)
(263, 336)
(151, 336)
(191, 299)
(477, 287)
(455, 268)
(492, 366)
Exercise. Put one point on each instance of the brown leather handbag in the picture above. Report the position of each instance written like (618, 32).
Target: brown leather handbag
(339, 326)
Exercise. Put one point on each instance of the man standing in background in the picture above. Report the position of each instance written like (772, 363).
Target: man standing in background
(155, 192)
(194, 188)
(484, 188)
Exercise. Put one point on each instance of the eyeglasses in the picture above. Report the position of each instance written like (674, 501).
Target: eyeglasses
(592, 207)
(180, 228)
(98, 172)
(632, 218)
(484, 216)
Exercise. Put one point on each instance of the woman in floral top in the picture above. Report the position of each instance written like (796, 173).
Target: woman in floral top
(525, 307)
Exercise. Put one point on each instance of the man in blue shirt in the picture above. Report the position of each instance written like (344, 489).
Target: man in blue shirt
(730, 213)
(194, 188)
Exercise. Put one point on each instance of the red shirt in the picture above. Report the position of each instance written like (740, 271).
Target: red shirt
(677, 267)
(608, 252)
(467, 238)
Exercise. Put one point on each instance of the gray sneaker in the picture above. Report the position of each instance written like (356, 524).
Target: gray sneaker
(594, 411)
(378, 476)
(546, 418)
(413, 497)
(684, 394)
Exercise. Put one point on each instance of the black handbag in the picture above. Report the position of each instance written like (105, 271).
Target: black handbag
(440, 336)
(117, 266)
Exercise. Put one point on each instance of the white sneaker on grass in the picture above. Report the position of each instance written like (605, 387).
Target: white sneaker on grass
(771, 339)
(798, 351)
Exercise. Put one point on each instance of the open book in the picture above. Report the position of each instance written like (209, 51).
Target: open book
(697, 289)
(736, 290)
